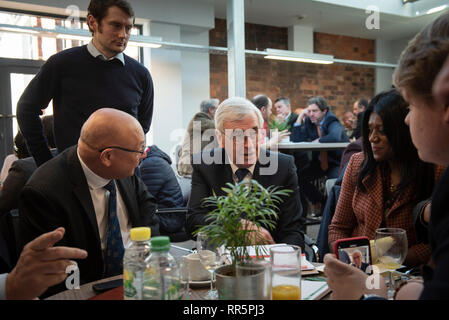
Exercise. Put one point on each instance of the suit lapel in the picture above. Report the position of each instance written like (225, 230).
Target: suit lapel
(81, 189)
(224, 173)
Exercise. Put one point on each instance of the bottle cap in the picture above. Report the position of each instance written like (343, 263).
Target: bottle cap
(161, 243)
(140, 234)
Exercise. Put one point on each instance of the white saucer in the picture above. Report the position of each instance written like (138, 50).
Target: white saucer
(198, 284)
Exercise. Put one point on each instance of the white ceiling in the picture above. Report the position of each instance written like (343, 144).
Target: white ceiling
(332, 18)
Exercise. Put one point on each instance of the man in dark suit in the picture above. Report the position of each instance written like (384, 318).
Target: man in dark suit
(238, 159)
(76, 190)
(284, 112)
(358, 262)
(320, 125)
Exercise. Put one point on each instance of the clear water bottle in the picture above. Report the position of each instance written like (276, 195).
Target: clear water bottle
(137, 250)
(162, 274)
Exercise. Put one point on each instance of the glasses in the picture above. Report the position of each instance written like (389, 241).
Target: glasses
(142, 152)
(239, 135)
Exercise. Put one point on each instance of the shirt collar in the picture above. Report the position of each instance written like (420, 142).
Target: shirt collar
(93, 180)
(95, 53)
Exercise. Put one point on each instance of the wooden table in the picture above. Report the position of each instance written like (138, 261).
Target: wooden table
(86, 291)
(312, 146)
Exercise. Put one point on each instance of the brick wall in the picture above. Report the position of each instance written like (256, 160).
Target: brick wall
(340, 84)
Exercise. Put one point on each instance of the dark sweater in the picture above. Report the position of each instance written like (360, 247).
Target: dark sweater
(80, 84)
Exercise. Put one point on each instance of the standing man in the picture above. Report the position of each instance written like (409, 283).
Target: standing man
(83, 79)
(321, 125)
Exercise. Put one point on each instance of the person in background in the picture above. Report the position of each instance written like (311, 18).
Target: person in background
(348, 122)
(320, 125)
(269, 139)
(40, 266)
(359, 107)
(20, 151)
(201, 123)
(157, 174)
(22, 169)
(284, 112)
(83, 79)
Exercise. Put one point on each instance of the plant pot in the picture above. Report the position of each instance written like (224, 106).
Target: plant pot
(250, 287)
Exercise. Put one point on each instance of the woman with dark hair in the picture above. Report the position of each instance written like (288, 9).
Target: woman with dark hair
(383, 183)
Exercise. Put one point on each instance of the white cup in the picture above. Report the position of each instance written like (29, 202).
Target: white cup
(197, 272)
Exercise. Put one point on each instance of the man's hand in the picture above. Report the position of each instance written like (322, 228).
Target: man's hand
(41, 266)
(261, 235)
(277, 136)
(349, 283)
(304, 113)
(440, 87)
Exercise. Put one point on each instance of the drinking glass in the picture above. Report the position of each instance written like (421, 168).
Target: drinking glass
(391, 249)
(253, 279)
(286, 272)
(184, 273)
(210, 258)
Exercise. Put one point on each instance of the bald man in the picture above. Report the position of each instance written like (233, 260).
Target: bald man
(71, 191)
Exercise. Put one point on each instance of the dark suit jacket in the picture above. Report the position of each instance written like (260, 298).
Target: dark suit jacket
(209, 178)
(19, 173)
(291, 120)
(436, 281)
(333, 131)
(57, 195)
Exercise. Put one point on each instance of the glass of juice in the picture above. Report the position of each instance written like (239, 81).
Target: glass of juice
(285, 272)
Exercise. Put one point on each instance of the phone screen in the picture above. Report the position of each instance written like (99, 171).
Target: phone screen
(356, 256)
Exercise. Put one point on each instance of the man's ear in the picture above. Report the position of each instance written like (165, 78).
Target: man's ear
(220, 138)
(105, 158)
(92, 23)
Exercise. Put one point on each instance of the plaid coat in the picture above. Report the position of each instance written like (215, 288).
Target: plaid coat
(360, 214)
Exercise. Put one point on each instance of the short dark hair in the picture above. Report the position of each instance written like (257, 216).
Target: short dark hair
(99, 8)
(362, 103)
(20, 147)
(320, 102)
(391, 107)
(284, 100)
(260, 101)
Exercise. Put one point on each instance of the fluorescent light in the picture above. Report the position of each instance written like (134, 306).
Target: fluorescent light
(144, 44)
(299, 56)
(18, 30)
(72, 37)
(437, 9)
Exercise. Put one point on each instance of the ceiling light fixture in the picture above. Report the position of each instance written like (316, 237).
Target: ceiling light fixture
(299, 56)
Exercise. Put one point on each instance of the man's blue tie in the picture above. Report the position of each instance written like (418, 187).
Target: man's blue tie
(114, 245)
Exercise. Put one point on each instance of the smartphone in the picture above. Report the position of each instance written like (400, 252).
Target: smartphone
(355, 251)
(106, 286)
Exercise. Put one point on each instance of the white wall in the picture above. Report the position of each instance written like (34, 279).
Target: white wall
(387, 51)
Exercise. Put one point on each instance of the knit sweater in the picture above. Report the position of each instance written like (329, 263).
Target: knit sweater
(80, 84)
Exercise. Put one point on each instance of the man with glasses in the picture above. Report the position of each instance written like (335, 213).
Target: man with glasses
(238, 126)
(90, 189)
(80, 80)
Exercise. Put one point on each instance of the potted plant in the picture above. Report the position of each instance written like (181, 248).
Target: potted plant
(248, 200)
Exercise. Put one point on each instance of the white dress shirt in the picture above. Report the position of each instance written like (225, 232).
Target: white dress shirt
(95, 53)
(100, 198)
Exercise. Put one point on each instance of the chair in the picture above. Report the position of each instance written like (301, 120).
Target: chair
(178, 236)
